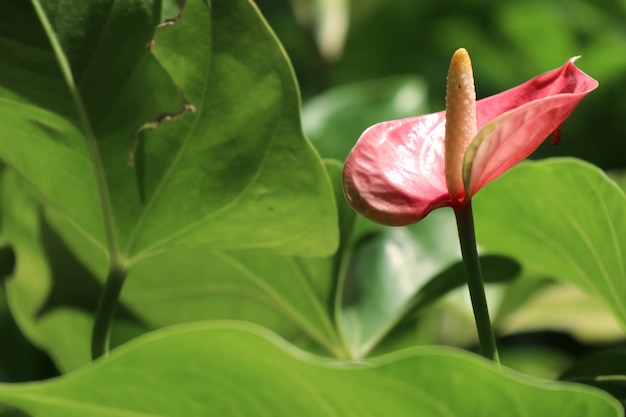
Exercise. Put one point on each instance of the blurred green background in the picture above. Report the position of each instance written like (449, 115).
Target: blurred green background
(341, 42)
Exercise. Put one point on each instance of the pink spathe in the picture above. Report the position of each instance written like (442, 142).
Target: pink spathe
(395, 174)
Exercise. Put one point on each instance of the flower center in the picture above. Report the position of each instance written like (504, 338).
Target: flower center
(460, 120)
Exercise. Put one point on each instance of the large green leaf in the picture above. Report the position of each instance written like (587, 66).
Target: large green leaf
(56, 102)
(241, 156)
(562, 218)
(291, 295)
(57, 283)
(234, 172)
(230, 369)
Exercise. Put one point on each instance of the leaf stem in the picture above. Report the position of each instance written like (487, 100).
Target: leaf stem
(473, 273)
(117, 274)
(85, 124)
(106, 312)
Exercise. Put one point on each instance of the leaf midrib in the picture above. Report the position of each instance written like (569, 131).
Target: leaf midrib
(598, 260)
(89, 136)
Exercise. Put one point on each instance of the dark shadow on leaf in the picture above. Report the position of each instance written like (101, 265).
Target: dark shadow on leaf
(605, 370)
(351, 289)
(10, 411)
(138, 161)
(20, 360)
(7, 263)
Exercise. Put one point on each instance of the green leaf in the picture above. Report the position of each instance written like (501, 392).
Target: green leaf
(396, 272)
(236, 172)
(80, 74)
(228, 369)
(562, 218)
(335, 119)
(54, 290)
(290, 295)
(52, 294)
(241, 173)
(386, 270)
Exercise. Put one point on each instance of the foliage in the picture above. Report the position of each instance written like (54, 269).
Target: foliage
(175, 157)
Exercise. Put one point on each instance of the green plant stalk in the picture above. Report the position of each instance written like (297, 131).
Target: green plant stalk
(473, 273)
(90, 137)
(115, 280)
(105, 313)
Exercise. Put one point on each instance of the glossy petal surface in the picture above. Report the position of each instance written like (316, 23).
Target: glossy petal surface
(395, 174)
(515, 122)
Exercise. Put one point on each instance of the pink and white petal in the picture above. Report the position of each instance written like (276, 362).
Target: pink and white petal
(395, 174)
(531, 111)
(513, 136)
(566, 79)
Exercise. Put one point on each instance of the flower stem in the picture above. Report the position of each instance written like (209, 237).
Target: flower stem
(467, 238)
(106, 312)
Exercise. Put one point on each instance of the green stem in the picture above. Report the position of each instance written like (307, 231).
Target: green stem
(467, 238)
(106, 312)
(85, 124)
(115, 280)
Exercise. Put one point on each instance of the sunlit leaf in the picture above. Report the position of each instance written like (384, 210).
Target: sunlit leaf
(562, 218)
(254, 180)
(233, 169)
(291, 295)
(229, 369)
(54, 291)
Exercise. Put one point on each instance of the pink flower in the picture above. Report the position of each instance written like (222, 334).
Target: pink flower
(401, 170)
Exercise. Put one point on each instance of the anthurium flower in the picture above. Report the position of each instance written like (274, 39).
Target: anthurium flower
(401, 170)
